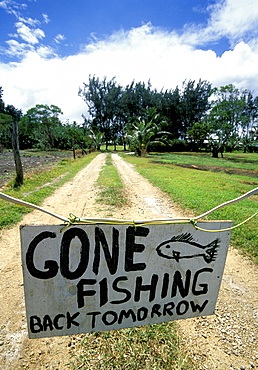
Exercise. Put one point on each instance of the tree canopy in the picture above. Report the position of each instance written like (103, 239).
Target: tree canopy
(9, 117)
(40, 126)
(195, 116)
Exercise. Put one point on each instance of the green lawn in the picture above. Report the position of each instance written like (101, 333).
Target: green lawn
(200, 191)
(230, 160)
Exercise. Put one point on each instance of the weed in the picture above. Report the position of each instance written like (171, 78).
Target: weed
(64, 161)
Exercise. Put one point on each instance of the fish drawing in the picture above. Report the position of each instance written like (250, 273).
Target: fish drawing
(182, 246)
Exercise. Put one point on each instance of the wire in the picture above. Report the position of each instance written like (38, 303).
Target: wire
(72, 219)
(30, 205)
(242, 197)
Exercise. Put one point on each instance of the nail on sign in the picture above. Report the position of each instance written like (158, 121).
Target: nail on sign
(100, 277)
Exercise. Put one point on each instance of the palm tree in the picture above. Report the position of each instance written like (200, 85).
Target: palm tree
(145, 131)
(97, 138)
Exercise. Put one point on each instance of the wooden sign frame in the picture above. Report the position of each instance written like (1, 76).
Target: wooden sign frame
(97, 277)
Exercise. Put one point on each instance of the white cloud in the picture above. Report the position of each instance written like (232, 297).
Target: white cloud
(238, 66)
(12, 7)
(233, 18)
(16, 48)
(140, 54)
(26, 28)
(236, 20)
(29, 21)
(46, 18)
(46, 52)
(59, 38)
(30, 35)
(3, 4)
(20, 49)
(37, 80)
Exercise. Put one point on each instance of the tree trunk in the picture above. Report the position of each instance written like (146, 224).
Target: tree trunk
(74, 154)
(16, 153)
(215, 152)
(83, 150)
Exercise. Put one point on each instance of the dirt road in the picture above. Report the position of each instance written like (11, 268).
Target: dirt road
(226, 340)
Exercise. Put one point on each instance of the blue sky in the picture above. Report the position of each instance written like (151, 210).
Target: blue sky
(49, 48)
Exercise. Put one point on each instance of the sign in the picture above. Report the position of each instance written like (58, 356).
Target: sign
(91, 278)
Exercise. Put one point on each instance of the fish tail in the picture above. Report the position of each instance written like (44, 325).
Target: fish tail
(211, 251)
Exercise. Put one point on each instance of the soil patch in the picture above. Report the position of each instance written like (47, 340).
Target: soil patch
(228, 170)
(29, 163)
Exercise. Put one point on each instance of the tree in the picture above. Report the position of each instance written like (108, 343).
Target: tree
(189, 114)
(9, 117)
(194, 103)
(143, 132)
(97, 138)
(40, 126)
(102, 99)
(170, 111)
(1, 100)
(225, 118)
(138, 98)
(249, 124)
(5, 130)
(198, 134)
(5, 124)
(112, 106)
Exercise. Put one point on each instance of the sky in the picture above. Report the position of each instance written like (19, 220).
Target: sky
(49, 48)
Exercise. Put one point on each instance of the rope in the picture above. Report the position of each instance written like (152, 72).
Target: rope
(72, 219)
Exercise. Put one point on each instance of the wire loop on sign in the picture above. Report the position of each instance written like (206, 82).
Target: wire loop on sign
(229, 228)
(193, 222)
(71, 220)
(75, 219)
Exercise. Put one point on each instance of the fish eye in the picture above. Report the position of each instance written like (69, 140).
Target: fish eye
(167, 246)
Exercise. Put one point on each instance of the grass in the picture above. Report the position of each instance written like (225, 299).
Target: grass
(40, 153)
(142, 348)
(111, 187)
(230, 160)
(111, 148)
(38, 185)
(200, 191)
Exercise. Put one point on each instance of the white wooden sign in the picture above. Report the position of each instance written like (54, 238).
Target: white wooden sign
(100, 277)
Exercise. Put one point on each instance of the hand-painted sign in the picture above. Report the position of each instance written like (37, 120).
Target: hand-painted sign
(100, 277)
